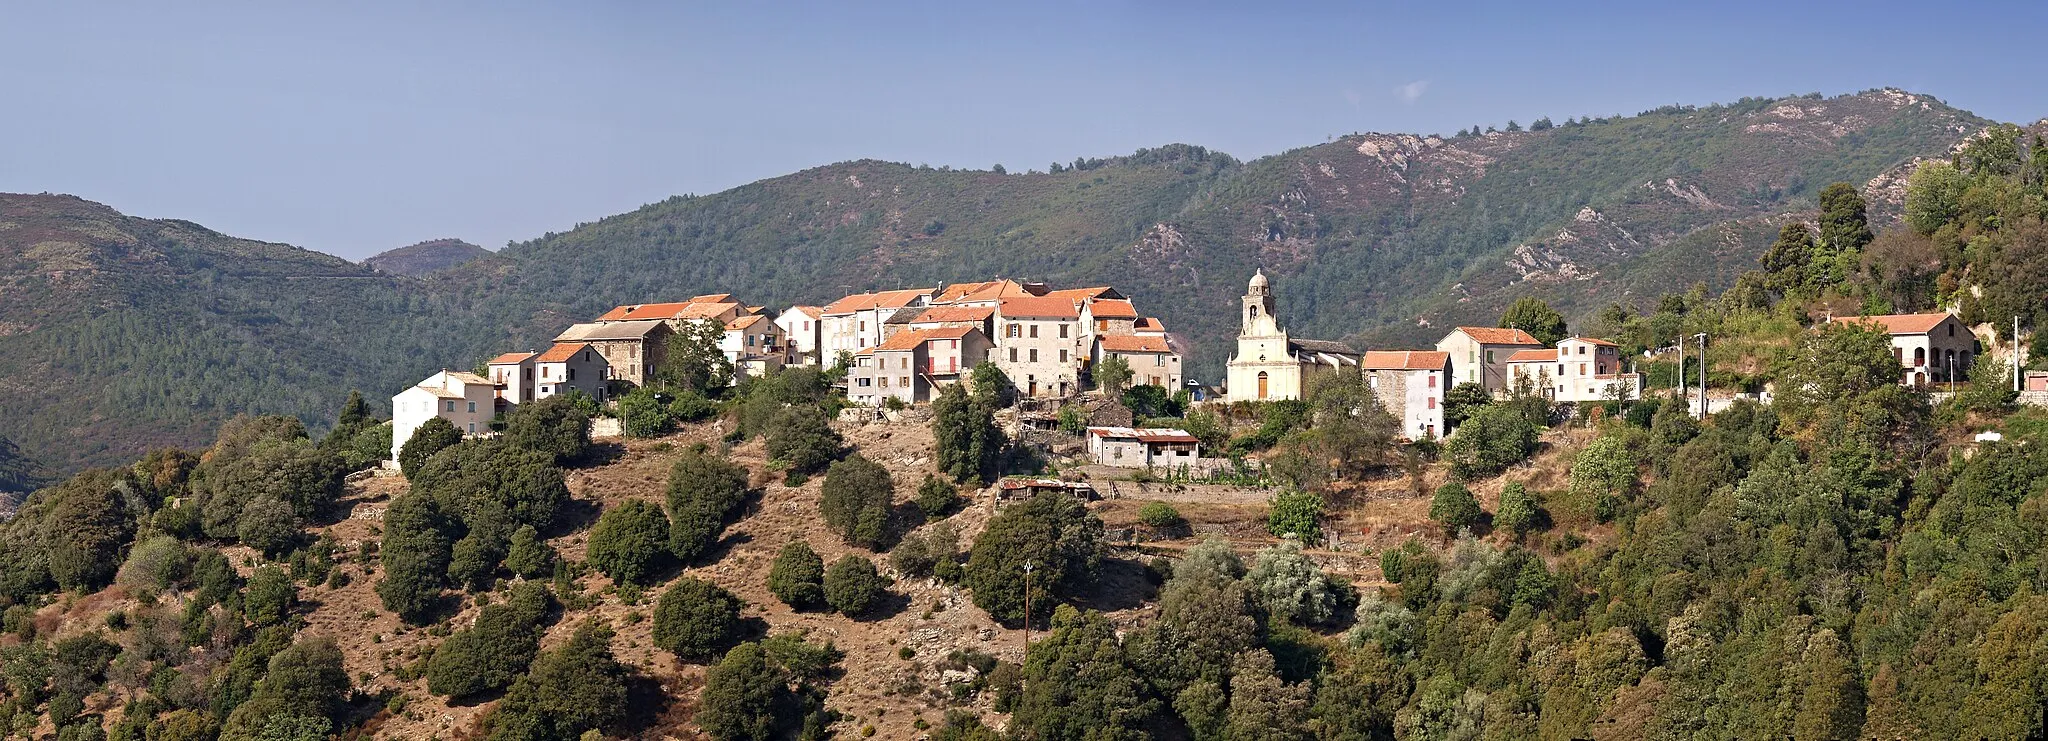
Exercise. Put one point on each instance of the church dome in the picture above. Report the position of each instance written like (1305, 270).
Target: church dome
(1258, 279)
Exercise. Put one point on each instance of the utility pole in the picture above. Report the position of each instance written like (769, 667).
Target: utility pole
(1702, 337)
(1678, 388)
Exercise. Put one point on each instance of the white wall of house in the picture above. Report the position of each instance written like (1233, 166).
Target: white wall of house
(517, 379)
(470, 406)
(584, 371)
(805, 333)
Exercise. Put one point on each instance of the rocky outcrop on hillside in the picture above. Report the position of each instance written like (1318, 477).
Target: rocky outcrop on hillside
(426, 258)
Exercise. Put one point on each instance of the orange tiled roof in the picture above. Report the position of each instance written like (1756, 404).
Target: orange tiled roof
(1112, 308)
(1134, 343)
(745, 321)
(1037, 307)
(877, 300)
(1533, 356)
(1899, 323)
(510, 358)
(1083, 294)
(1404, 360)
(1150, 324)
(809, 311)
(956, 314)
(674, 310)
(560, 352)
(911, 338)
(1499, 336)
(991, 290)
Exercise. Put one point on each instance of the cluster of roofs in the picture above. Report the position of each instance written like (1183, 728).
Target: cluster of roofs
(906, 344)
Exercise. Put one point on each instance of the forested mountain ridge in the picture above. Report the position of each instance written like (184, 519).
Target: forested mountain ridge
(170, 328)
(1372, 236)
(126, 334)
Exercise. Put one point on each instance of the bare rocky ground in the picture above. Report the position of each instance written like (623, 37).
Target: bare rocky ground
(883, 686)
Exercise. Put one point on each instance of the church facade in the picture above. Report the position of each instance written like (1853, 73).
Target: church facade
(1269, 365)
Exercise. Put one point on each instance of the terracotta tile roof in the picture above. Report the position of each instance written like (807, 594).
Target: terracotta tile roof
(1134, 343)
(1404, 360)
(560, 352)
(470, 378)
(1498, 335)
(676, 310)
(1039, 307)
(1112, 308)
(956, 314)
(1898, 323)
(633, 330)
(510, 358)
(809, 311)
(991, 290)
(1533, 356)
(1083, 294)
(712, 298)
(877, 300)
(755, 309)
(1150, 324)
(745, 321)
(1145, 434)
(1589, 341)
(909, 339)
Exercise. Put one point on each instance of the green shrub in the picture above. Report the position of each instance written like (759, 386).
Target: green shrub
(555, 426)
(852, 586)
(696, 620)
(1052, 532)
(630, 542)
(1160, 516)
(1297, 513)
(432, 436)
(1454, 507)
(937, 497)
(798, 576)
(803, 440)
(856, 500)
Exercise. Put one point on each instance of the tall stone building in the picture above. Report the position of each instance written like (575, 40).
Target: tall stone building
(1270, 365)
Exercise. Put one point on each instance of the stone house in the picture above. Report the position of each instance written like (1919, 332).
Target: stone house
(1930, 348)
(1152, 359)
(1039, 344)
(1480, 354)
(633, 350)
(1411, 385)
(911, 365)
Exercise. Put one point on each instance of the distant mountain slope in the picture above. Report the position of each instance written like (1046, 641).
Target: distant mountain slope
(128, 333)
(1379, 237)
(125, 334)
(427, 257)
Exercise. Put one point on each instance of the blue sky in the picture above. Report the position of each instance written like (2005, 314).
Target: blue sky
(359, 127)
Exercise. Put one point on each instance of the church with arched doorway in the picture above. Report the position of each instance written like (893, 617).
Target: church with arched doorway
(1270, 365)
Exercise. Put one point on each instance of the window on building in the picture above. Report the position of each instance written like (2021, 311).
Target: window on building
(1159, 360)
(1013, 355)
(1489, 356)
(1432, 402)
(1063, 330)
(1034, 355)
(451, 406)
(884, 380)
(904, 381)
(472, 407)
(1582, 369)
(1010, 330)
(1034, 331)
(1063, 356)
(1951, 330)
(1582, 349)
(1432, 380)
(472, 428)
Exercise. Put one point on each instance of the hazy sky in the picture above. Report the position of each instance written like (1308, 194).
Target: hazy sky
(359, 127)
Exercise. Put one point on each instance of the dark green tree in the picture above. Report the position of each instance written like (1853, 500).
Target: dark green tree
(852, 586)
(1056, 535)
(696, 620)
(554, 425)
(1517, 513)
(270, 596)
(803, 440)
(992, 386)
(969, 444)
(1462, 400)
(528, 555)
(1492, 438)
(1533, 315)
(1112, 375)
(630, 542)
(490, 654)
(1078, 684)
(1455, 508)
(704, 491)
(856, 501)
(744, 696)
(937, 497)
(694, 362)
(431, 437)
(572, 689)
(798, 576)
(415, 555)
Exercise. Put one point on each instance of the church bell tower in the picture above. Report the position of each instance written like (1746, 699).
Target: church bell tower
(1258, 309)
